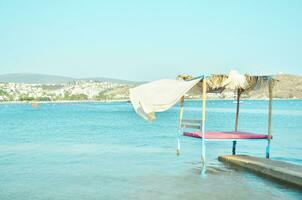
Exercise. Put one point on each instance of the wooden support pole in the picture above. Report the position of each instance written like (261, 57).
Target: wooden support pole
(181, 112)
(204, 98)
(203, 148)
(234, 147)
(270, 105)
(237, 109)
(237, 119)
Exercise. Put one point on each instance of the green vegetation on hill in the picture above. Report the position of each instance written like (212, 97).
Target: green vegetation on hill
(26, 98)
(68, 96)
(3, 93)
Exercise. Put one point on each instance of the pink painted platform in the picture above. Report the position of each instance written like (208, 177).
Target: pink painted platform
(226, 135)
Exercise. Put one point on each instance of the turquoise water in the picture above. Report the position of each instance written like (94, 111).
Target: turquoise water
(105, 151)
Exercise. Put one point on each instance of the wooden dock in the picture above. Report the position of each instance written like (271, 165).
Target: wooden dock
(278, 170)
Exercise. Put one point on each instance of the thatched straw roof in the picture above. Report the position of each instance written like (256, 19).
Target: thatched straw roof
(234, 81)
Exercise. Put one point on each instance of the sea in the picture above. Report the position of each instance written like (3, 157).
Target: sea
(93, 151)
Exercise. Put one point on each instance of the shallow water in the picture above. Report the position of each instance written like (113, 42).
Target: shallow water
(105, 151)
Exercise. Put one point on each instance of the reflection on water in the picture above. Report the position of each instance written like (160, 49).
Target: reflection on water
(104, 151)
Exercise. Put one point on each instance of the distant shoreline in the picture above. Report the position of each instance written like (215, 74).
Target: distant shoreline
(61, 101)
(126, 100)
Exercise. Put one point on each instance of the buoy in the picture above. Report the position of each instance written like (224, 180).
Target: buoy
(34, 105)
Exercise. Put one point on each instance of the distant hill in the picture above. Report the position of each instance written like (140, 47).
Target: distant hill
(35, 78)
(32, 78)
(112, 80)
(286, 86)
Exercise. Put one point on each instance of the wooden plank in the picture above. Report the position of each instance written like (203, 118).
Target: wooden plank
(192, 121)
(190, 126)
(279, 170)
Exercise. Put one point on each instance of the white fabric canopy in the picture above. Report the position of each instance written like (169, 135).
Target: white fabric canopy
(158, 96)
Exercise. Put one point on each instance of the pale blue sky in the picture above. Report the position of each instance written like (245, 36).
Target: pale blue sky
(146, 40)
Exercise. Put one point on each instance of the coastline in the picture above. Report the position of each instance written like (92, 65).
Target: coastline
(61, 101)
(251, 99)
(127, 100)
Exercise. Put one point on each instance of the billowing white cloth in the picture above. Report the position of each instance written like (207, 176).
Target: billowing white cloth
(158, 96)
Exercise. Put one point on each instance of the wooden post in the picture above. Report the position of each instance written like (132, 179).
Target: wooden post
(237, 120)
(204, 98)
(270, 105)
(234, 147)
(237, 109)
(181, 112)
(203, 148)
(179, 125)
